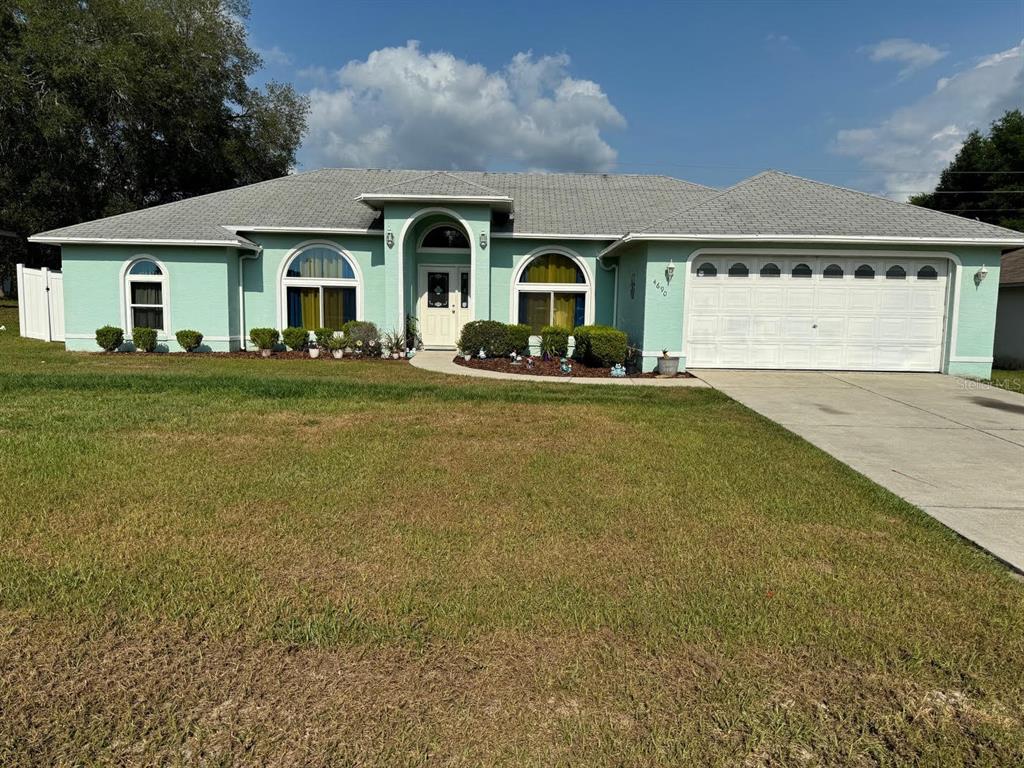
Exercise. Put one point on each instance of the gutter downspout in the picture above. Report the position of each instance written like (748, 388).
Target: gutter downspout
(615, 294)
(242, 256)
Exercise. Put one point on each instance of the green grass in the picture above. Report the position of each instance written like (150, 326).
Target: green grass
(1011, 380)
(239, 561)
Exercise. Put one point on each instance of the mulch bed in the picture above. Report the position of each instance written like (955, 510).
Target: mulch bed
(543, 367)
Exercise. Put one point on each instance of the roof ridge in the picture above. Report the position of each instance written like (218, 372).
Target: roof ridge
(888, 200)
(470, 181)
(426, 175)
(698, 204)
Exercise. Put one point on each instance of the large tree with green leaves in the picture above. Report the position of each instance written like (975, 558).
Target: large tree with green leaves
(986, 179)
(107, 106)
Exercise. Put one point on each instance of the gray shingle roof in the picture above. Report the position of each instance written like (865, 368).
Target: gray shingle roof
(564, 203)
(558, 203)
(776, 203)
(436, 183)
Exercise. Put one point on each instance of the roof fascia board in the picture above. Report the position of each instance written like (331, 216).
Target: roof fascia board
(840, 239)
(373, 200)
(140, 241)
(551, 236)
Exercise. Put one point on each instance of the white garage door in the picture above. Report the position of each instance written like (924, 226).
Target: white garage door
(815, 313)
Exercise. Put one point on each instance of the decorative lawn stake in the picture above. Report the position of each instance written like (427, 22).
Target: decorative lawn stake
(618, 371)
(566, 366)
(529, 362)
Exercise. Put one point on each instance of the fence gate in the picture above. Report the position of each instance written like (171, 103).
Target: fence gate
(41, 303)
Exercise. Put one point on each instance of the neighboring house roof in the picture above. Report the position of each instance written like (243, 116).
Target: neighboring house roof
(618, 207)
(1011, 272)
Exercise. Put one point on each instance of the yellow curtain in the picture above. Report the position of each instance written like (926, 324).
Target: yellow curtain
(552, 268)
(565, 310)
(534, 310)
(310, 299)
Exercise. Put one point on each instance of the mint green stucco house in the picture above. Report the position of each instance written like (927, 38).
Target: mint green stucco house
(774, 272)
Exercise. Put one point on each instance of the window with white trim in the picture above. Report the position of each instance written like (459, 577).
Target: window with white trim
(319, 288)
(146, 293)
(552, 289)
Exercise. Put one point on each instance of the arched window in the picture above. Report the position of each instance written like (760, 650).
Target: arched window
(927, 272)
(895, 272)
(864, 272)
(553, 289)
(801, 270)
(770, 270)
(739, 269)
(444, 237)
(707, 269)
(320, 287)
(833, 271)
(146, 294)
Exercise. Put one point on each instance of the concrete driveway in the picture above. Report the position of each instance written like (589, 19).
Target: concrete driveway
(953, 447)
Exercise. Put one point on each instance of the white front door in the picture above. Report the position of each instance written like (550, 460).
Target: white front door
(443, 305)
(803, 312)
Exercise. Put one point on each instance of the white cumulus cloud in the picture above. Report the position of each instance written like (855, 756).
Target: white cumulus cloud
(914, 56)
(405, 108)
(909, 148)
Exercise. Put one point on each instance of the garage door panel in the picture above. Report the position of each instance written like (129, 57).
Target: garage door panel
(867, 323)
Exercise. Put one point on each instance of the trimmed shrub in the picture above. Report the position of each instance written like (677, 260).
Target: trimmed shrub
(295, 338)
(144, 339)
(109, 337)
(323, 336)
(518, 338)
(489, 335)
(264, 338)
(600, 345)
(360, 330)
(554, 341)
(189, 340)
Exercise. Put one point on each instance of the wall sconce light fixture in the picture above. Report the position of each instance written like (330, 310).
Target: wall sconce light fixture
(390, 239)
(670, 270)
(980, 275)
(483, 240)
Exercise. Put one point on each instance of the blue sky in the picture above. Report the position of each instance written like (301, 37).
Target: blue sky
(875, 96)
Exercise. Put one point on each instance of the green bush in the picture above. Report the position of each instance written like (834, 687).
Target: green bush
(144, 339)
(554, 341)
(360, 330)
(189, 340)
(323, 336)
(518, 338)
(264, 338)
(109, 337)
(488, 335)
(295, 338)
(600, 345)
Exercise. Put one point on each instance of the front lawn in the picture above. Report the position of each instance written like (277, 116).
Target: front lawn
(225, 561)
(1011, 380)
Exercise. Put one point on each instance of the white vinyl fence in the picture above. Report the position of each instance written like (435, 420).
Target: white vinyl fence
(41, 303)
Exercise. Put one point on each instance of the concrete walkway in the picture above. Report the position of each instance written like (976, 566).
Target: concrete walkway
(954, 448)
(442, 362)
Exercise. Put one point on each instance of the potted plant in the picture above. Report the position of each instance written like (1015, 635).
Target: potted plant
(667, 365)
(336, 344)
(395, 343)
(265, 339)
(314, 350)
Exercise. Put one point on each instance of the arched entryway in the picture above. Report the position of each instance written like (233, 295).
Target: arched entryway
(439, 256)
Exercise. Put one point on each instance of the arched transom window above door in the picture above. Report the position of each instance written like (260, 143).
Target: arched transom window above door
(320, 288)
(443, 238)
(553, 289)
